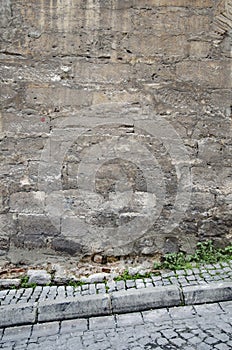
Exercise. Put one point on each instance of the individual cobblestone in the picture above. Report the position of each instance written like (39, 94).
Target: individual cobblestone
(120, 285)
(77, 291)
(130, 284)
(69, 291)
(61, 292)
(85, 287)
(139, 283)
(101, 288)
(92, 289)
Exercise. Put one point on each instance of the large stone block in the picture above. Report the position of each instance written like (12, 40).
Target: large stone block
(25, 124)
(214, 152)
(34, 231)
(94, 305)
(23, 314)
(154, 45)
(127, 301)
(27, 202)
(166, 21)
(207, 293)
(57, 96)
(215, 74)
(8, 229)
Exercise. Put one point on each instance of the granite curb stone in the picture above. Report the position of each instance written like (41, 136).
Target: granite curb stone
(95, 305)
(148, 298)
(115, 302)
(206, 294)
(12, 315)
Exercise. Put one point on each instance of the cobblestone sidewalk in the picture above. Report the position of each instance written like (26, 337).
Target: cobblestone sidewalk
(205, 274)
(199, 327)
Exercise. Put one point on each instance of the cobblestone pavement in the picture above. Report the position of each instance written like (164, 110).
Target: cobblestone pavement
(202, 327)
(203, 275)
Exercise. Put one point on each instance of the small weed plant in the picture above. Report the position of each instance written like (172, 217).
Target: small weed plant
(125, 276)
(206, 253)
(75, 284)
(24, 283)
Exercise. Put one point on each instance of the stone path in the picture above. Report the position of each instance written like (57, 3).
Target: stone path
(199, 327)
(205, 274)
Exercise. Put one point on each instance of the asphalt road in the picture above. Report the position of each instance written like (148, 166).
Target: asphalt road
(202, 327)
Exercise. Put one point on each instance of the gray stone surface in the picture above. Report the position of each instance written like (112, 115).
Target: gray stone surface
(67, 306)
(207, 293)
(9, 282)
(22, 314)
(179, 328)
(134, 300)
(74, 308)
(40, 277)
(79, 325)
(95, 278)
(136, 94)
(195, 277)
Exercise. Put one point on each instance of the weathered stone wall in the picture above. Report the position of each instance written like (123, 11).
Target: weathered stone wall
(115, 126)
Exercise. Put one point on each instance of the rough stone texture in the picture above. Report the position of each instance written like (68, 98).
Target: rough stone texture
(40, 277)
(70, 307)
(8, 283)
(145, 299)
(182, 328)
(95, 278)
(9, 315)
(74, 308)
(203, 294)
(107, 107)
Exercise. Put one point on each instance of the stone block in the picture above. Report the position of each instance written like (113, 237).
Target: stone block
(210, 177)
(107, 73)
(145, 299)
(7, 229)
(44, 330)
(9, 283)
(214, 152)
(15, 333)
(96, 323)
(40, 277)
(27, 202)
(44, 96)
(22, 314)
(209, 293)
(213, 73)
(163, 3)
(201, 201)
(95, 278)
(68, 326)
(78, 307)
(36, 224)
(151, 45)
(26, 124)
(199, 49)
(8, 92)
(67, 245)
(34, 231)
(166, 21)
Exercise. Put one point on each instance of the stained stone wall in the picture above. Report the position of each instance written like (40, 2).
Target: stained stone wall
(115, 127)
